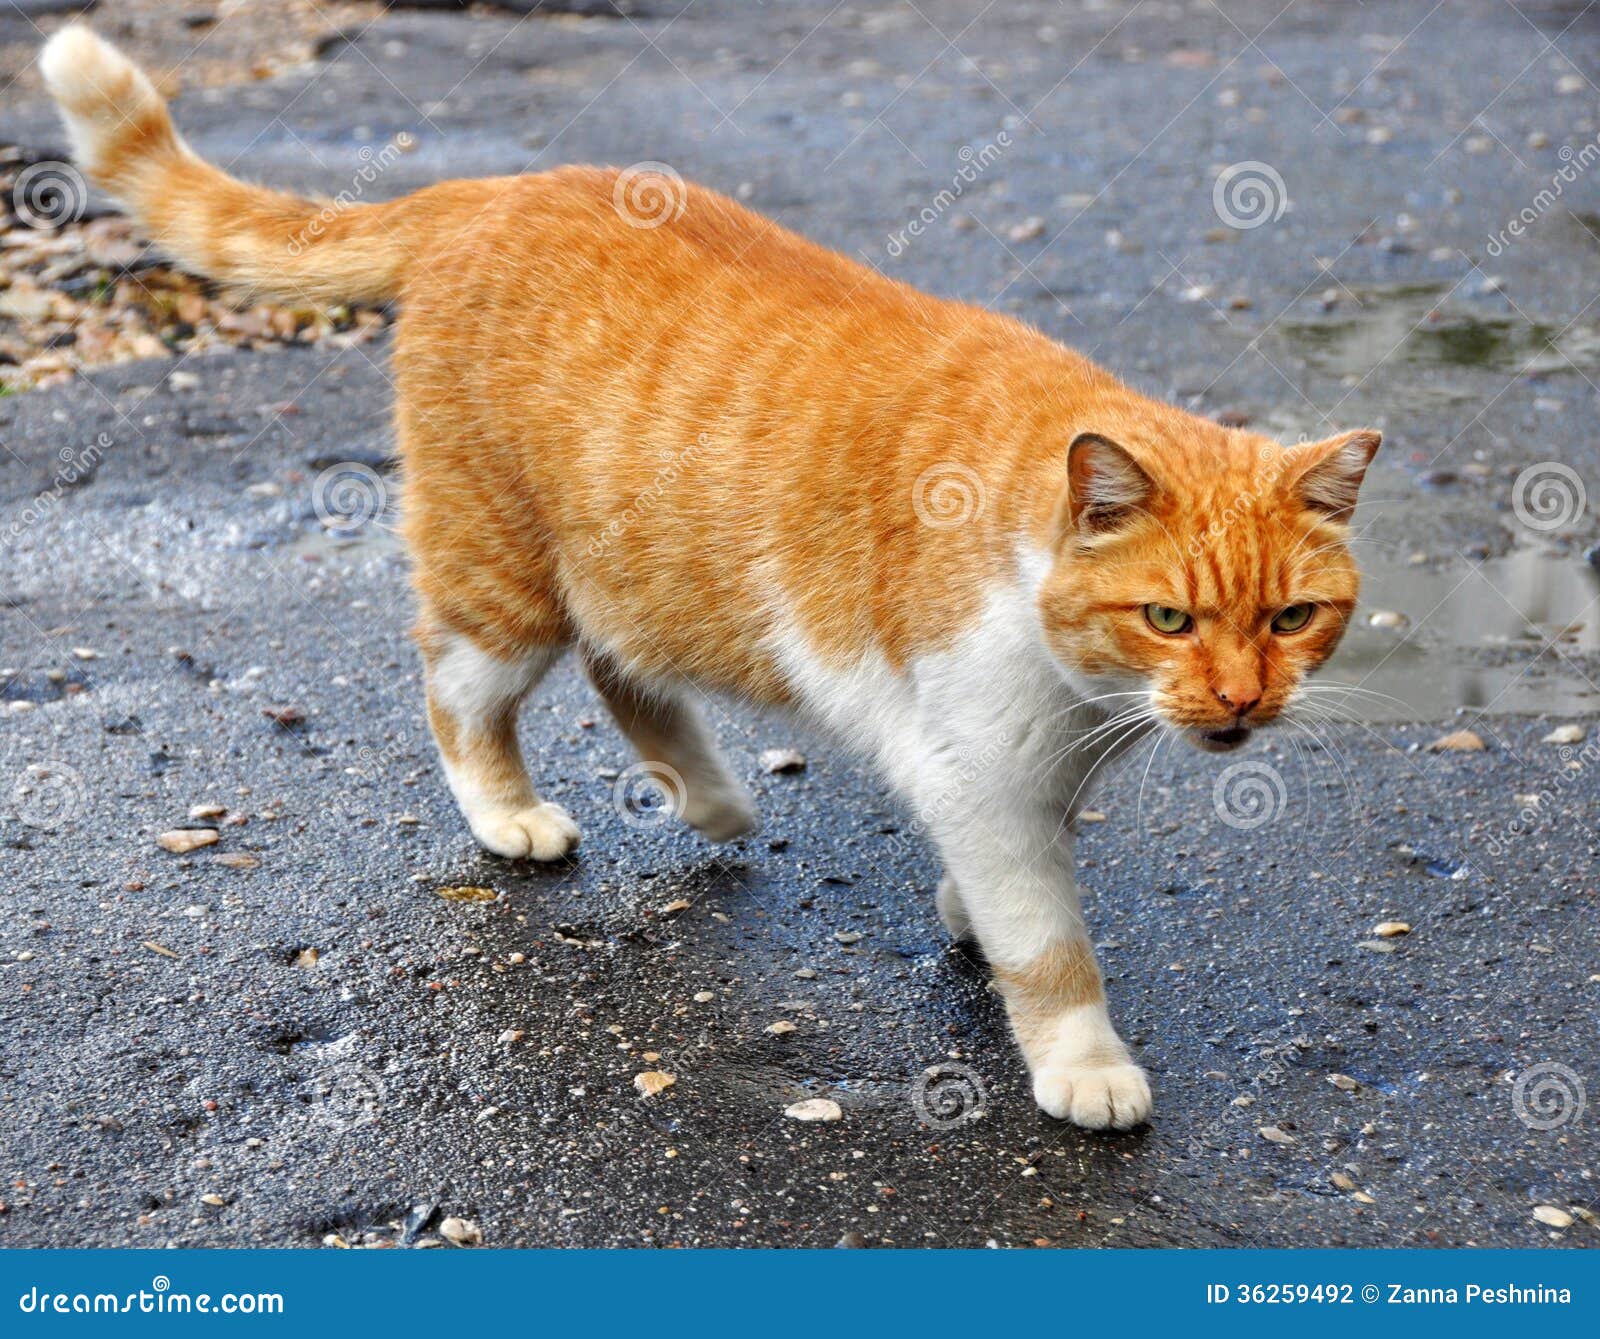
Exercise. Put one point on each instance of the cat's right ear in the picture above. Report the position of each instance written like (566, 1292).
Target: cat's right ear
(1105, 487)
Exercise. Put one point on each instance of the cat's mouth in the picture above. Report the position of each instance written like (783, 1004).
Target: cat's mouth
(1220, 741)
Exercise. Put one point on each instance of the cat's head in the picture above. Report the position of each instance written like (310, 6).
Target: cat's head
(1204, 573)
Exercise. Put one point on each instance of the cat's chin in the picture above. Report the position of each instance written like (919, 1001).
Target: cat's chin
(1219, 741)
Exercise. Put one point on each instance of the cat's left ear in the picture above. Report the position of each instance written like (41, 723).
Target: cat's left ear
(1331, 473)
(1105, 487)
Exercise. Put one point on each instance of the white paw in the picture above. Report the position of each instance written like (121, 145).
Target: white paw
(544, 832)
(1097, 1097)
(720, 815)
(952, 911)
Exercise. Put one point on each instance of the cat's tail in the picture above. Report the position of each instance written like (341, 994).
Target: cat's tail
(263, 242)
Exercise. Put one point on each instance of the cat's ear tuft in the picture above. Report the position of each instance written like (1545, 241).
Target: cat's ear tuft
(1105, 486)
(1331, 477)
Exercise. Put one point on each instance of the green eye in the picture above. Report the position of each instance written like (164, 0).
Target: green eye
(1292, 619)
(1169, 621)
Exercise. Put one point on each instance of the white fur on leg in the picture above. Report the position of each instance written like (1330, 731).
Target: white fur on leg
(1087, 1076)
(947, 899)
(475, 690)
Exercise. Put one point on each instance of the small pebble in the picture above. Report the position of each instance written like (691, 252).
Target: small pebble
(1274, 1135)
(461, 1232)
(653, 1081)
(814, 1109)
(1457, 741)
(775, 761)
(180, 841)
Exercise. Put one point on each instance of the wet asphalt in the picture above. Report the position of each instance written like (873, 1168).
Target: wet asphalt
(290, 1038)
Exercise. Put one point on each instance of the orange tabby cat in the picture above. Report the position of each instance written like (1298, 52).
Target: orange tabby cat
(712, 455)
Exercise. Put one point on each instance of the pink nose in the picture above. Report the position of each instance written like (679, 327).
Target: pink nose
(1240, 698)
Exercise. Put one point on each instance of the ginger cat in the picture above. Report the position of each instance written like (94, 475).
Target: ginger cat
(712, 455)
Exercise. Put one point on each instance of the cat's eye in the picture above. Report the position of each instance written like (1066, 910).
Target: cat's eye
(1169, 621)
(1292, 619)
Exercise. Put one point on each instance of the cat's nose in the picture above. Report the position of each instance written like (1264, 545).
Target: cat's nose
(1239, 698)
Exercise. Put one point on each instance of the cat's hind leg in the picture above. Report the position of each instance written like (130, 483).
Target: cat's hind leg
(952, 911)
(473, 697)
(675, 743)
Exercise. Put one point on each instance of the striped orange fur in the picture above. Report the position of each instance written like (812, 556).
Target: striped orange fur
(713, 453)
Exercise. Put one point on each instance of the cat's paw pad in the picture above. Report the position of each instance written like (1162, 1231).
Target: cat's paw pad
(1097, 1097)
(543, 832)
(720, 816)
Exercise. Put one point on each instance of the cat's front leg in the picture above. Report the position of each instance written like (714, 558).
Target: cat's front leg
(1015, 875)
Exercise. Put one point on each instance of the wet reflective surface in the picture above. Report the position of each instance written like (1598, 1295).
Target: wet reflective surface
(1512, 634)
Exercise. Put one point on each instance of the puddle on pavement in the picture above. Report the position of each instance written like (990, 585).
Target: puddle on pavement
(1472, 637)
(1405, 325)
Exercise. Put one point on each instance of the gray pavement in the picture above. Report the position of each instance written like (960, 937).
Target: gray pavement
(289, 1037)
